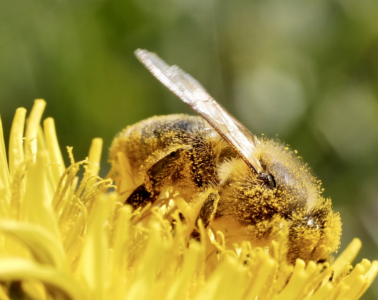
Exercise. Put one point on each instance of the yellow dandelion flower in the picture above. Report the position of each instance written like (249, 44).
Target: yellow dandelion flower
(65, 238)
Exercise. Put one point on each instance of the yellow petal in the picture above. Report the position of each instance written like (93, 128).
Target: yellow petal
(180, 286)
(41, 143)
(16, 142)
(299, 280)
(95, 156)
(264, 272)
(45, 247)
(357, 270)
(33, 124)
(355, 289)
(4, 178)
(36, 204)
(93, 264)
(346, 257)
(370, 275)
(228, 281)
(56, 162)
(322, 292)
(148, 265)
(119, 255)
(17, 269)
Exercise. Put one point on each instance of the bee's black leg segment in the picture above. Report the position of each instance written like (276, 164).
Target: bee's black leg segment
(161, 171)
(140, 197)
(158, 175)
(208, 209)
(195, 235)
(206, 214)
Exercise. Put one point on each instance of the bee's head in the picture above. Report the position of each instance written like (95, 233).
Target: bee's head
(286, 173)
(285, 192)
(314, 230)
(314, 235)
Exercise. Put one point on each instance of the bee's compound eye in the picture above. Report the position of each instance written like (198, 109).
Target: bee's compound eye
(268, 180)
(272, 181)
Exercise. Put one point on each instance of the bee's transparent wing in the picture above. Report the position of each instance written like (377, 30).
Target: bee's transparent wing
(193, 93)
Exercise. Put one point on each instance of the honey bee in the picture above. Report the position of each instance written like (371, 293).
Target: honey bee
(251, 187)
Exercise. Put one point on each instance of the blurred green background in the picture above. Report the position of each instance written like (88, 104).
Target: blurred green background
(306, 71)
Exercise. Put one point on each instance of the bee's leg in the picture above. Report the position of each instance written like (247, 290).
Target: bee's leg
(141, 197)
(157, 176)
(208, 209)
(206, 214)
